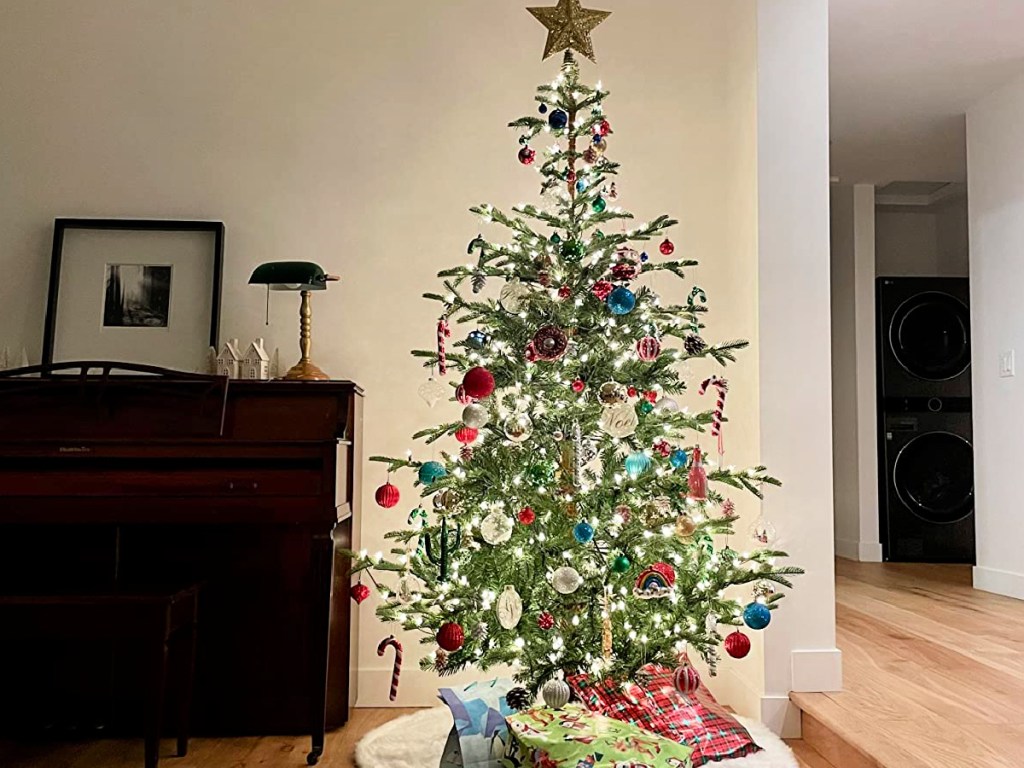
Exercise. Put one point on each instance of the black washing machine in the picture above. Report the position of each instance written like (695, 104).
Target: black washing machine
(924, 336)
(925, 456)
(928, 482)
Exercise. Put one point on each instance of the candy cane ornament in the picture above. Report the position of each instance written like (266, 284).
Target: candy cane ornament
(716, 423)
(443, 332)
(397, 671)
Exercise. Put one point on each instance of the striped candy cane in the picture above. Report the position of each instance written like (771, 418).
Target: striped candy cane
(716, 423)
(443, 332)
(390, 640)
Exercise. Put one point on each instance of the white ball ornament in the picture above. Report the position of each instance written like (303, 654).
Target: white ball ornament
(556, 693)
(518, 428)
(496, 528)
(513, 297)
(509, 608)
(475, 415)
(619, 420)
(666, 405)
(566, 580)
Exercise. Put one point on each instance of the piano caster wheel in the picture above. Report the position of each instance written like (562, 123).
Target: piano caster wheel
(314, 757)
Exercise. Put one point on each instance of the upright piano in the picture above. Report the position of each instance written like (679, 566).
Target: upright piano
(134, 474)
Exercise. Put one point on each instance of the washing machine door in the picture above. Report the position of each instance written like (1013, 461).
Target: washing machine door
(933, 475)
(930, 336)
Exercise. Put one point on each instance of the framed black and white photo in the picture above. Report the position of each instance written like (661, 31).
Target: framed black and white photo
(134, 291)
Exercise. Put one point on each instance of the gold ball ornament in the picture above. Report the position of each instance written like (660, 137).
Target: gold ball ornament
(685, 527)
(611, 393)
(444, 500)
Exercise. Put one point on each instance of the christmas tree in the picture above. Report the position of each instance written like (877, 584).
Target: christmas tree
(581, 527)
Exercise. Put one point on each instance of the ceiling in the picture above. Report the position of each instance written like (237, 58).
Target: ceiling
(904, 73)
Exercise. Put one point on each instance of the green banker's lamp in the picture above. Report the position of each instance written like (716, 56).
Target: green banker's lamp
(303, 276)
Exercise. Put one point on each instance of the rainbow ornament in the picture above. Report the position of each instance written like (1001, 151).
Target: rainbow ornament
(655, 581)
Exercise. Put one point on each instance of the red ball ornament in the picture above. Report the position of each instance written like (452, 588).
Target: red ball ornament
(466, 435)
(605, 128)
(662, 448)
(531, 353)
(478, 383)
(602, 289)
(631, 392)
(737, 645)
(648, 349)
(578, 386)
(667, 248)
(527, 516)
(564, 292)
(546, 621)
(624, 272)
(685, 679)
(461, 396)
(652, 396)
(571, 177)
(451, 637)
(527, 156)
(387, 496)
(359, 592)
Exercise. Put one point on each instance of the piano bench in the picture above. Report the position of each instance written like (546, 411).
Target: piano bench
(149, 617)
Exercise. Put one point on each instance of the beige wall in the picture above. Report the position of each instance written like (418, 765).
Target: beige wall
(931, 241)
(357, 135)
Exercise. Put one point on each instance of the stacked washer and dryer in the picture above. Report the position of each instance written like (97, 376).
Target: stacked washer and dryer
(926, 462)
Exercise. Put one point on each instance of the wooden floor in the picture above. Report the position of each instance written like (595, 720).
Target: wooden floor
(934, 675)
(933, 671)
(264, 751)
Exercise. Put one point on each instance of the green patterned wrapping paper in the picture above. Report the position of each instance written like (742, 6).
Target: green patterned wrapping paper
(575, 737)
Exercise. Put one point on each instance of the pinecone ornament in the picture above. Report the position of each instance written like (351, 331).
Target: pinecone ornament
(694, 344)
(519, 699)
(479, 281)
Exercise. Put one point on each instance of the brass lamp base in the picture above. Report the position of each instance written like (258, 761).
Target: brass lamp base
(305, 370)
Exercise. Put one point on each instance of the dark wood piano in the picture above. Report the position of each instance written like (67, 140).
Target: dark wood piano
(248, 487)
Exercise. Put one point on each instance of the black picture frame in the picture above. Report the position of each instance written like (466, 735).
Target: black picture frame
(62, 225)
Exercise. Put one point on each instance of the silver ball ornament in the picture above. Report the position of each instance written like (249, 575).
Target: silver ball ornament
(556, 693)
(566, 580)
(475, 415)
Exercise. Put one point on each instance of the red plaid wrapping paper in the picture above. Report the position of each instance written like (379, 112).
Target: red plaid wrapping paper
(698, 720)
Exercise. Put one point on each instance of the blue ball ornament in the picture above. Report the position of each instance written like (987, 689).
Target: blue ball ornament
(621, 301)
(757, 616)
(477, 340)
(583, 532)
(637, 463)
(644, 257)
(581, 185)
(432, 471)
(543, 109)
(678, 458)
(558, 119)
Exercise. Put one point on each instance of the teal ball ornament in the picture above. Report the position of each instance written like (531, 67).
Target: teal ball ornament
(637, 463)
(646, 406)
(757, 616)
(678, 458)
(583, 532)
(431, 472)
(621, 301)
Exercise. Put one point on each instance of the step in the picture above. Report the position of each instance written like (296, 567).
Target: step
(835, 739)
(807, 756)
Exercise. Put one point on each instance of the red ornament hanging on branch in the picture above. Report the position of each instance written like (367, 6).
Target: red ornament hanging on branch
(359, 592)
(527, 156)
(602, 289)
(667, 248)
(648, 349)
(716, 420)
(467, 435)
(527, 516)
(443, 332)
(685, 679)
(451, 636)
(578, 386)
(387, 496)
(737, 645)
(478, 383)
(698, 478)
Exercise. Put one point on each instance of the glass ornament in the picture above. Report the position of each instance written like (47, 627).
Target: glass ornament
(763, 532)
(685, 527)
(527, 156)
(509, 608)
(599, 205)
(475, 416)
(518, 428)
(558, 119)
(619, 420)
(648, 348)
(737, 645)
(583, 532)
(513, 297)
(621, 301)
(431, 391)
(697, 479)
(550, 343)
(611, 393)
(581, 185)
(637, 463)
(667, 248)
(572, 251)
(566, 580)
(431, 471)
(757, 616)
(666, 405)
(764, 589)
(496, 528)
(543, 109)
(646, 407)
(621, 564)
(477, 340)
(556, 238)
(678, 458)
(556, 693)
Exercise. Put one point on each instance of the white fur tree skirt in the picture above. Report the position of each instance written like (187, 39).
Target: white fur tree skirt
(416, 741)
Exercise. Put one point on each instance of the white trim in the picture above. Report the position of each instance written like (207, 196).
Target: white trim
(781, 715)
(862, 551)
(817, 670)
(999, 582)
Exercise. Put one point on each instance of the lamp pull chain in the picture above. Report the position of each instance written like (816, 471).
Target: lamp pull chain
(268, 303)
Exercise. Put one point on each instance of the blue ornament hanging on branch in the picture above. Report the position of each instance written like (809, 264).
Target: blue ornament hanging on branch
(637, 463)
(621, 301)
(679, 458)
(583, 532)
(757, 616)
(431, 472)
(558, 119)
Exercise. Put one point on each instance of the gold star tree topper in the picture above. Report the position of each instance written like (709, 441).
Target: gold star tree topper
(569, 26)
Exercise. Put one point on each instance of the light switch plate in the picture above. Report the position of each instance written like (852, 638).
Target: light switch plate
(1007, 366)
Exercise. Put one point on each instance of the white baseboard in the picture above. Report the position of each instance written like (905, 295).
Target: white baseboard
(1000, 582)
(863, 551)
(781, 715)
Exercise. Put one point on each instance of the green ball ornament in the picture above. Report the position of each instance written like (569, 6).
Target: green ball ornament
(621, 564)
(646, 407)
(572, 251)
(556, 239)
(599, 205)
